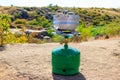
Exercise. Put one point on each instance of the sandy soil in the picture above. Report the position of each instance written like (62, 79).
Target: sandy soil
(99, 61)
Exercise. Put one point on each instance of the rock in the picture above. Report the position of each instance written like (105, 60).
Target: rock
(46, 37)
(40, 33)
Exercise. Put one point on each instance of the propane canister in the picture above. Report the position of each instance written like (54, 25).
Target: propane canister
(65, 60)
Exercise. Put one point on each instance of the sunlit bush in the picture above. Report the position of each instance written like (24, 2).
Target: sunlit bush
(113, 29)
(13, 38)
(5, 20)
(21, 39)
(57, 38)
(9, 38)
(20, 21)
(84, 31)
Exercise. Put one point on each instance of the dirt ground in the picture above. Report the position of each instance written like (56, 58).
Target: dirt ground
(99, 61)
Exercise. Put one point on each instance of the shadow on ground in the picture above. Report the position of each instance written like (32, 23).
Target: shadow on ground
(73, 77)
(2, 48)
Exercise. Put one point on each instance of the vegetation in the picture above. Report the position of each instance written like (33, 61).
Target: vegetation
(93, 22)
(5, 20)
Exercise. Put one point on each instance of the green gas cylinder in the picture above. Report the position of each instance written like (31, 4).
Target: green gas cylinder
(65, 60)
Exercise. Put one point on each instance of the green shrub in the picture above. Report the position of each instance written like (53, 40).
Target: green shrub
(50, 32)
(33, 22)
(97, 30)
(5, 20)
(84, 31)
(57, 38)
(20, 21)
(113, 29)
(41, 21)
